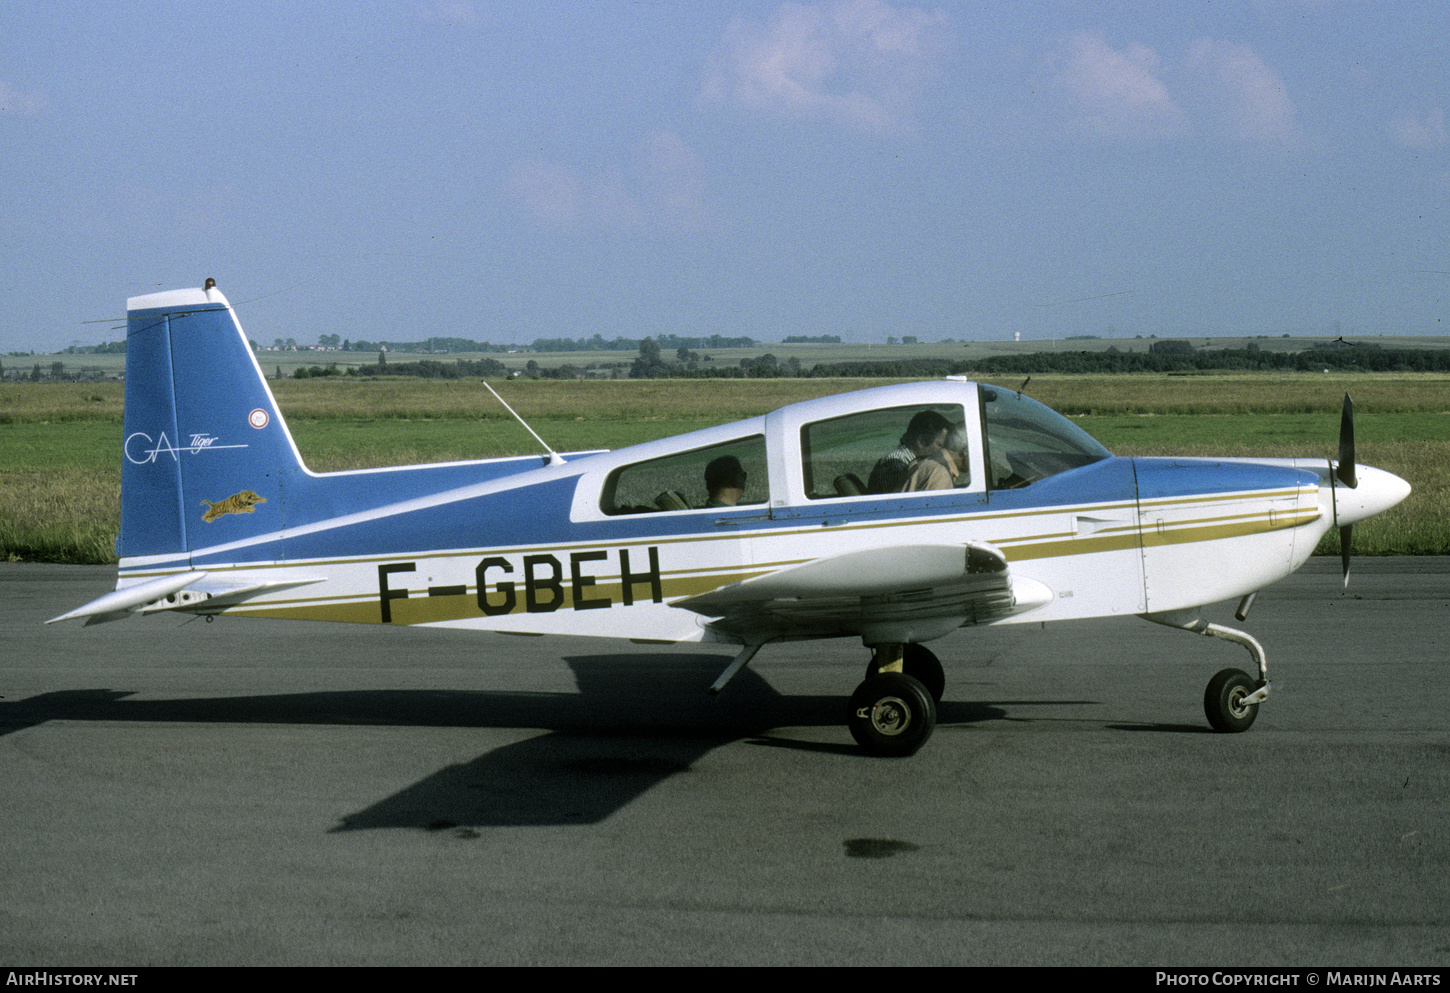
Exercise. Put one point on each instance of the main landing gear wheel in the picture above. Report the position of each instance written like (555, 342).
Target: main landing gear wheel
(891, 714)
(1223, 701)
(920, 663)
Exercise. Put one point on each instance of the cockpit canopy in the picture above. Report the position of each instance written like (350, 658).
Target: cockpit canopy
(1027, 441)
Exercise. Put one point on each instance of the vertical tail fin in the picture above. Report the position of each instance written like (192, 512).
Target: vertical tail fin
(206, 451)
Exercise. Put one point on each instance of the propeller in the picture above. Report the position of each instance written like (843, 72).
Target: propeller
(1346, 445)
(1345, 473)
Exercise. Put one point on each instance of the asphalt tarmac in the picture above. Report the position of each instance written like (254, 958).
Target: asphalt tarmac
(263, 793)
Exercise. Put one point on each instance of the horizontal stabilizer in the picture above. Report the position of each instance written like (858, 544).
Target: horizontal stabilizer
(113, 606)
(214, 593)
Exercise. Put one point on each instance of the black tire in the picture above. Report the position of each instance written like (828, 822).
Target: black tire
(891, 715)
(1223, 701)
(922, 665)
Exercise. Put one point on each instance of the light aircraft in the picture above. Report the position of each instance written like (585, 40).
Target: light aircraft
(219, 515)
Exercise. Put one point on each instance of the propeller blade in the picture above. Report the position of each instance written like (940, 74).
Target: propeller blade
(1345, 472)
(1346, 537)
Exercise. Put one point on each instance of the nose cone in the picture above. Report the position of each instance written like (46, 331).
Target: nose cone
(1376, 492)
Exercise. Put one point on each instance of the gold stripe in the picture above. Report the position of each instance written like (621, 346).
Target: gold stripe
(1214, 532)
(1072, 546)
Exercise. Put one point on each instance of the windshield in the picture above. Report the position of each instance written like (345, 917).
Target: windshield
(1027, 441)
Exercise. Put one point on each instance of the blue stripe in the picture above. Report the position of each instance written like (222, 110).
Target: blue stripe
(1160, 478)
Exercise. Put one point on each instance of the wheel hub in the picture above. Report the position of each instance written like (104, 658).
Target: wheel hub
(1236, 702)
(889, 716)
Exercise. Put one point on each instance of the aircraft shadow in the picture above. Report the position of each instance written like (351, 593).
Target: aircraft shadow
(635, 721)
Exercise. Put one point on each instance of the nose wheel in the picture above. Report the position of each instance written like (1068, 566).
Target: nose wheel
(1231, 701)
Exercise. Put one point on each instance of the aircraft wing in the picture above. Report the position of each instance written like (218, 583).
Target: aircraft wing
(905, 593)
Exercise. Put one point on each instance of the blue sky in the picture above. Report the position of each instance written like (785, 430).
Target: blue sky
(510, 171)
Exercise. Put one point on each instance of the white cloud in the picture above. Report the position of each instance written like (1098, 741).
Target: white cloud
(660, 188)
(1243, 99)
(1218, 90)
(861, 63)
(1414, 132)
(13, 101)
(1116, 94)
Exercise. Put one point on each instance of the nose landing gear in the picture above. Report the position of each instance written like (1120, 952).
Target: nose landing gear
(1231, 701)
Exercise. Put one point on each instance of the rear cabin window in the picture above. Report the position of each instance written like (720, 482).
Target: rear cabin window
(681, 482)
(865, 453)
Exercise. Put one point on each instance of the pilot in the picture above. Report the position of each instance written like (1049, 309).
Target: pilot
(943, 469)
(724, 481)
(924, 435)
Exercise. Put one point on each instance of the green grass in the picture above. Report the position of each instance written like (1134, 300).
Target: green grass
(330, 446)
(1293, 434)
(60, 443)
(61, 491)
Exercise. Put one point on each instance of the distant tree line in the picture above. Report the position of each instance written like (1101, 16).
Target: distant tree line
(432, 346)
(1233, 360)
(672, 342)
(56, 372)
(109, 348)
(1169, 355)
(434, 369)
(651, 364)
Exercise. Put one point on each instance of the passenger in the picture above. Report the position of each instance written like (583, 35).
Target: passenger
(944, 469)
(924, 436)
(724, 481)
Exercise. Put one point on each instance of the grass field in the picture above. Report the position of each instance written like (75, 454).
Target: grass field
(60, 486)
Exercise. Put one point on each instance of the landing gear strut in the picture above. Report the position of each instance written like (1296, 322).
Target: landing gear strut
(920, 663)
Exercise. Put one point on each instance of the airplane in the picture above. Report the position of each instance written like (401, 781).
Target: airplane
(795, 539)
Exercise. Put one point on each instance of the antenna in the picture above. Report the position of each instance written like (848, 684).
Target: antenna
(554, 457)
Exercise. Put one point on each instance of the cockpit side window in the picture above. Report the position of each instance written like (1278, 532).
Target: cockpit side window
(881, 451)
(720, 476)
(1027, 441)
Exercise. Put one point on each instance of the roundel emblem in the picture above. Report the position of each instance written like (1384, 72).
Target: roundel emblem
(258, 418)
